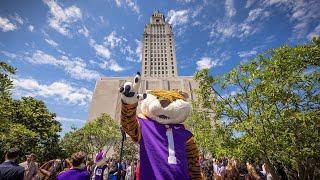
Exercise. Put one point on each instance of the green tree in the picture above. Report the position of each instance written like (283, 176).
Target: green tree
(93, 136)
(269, 109)
(26, 123)
(130, 150)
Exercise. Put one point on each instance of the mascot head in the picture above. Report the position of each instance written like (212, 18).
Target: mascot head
(166, 107)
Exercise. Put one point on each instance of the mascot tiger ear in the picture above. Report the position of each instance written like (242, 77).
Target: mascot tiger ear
(185, 95)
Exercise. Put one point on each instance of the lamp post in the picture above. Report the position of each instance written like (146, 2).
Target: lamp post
(121, 153)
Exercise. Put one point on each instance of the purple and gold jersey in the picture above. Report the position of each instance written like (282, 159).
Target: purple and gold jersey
(163, 150)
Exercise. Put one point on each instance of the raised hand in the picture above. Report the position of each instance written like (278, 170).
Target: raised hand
(129, 91)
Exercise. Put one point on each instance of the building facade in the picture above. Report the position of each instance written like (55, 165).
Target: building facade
(158, 71)
(158, 55)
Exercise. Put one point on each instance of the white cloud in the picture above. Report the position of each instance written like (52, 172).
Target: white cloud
(246, 54)
(229, 7)
(100, 49)
(51, 42)
(315, 32)
(132, 4)
(304, 15)
(59, 90)
(118, 3)
(257, 13)
(65, 119)
(114, 66)
(61, 19)
(179, 17)
(112, 40)
(84, 31)
(139, 50)
(226, 28)
(272, 2)
(207, 62)
(9, 54)
(18, 18)
(30, 28)
(75, 66)
(250, 3)
(6, 25)
(196, 23)
(111, 65)
(184, 1)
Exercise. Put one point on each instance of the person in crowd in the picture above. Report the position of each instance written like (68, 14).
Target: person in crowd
(129, 173)
(215, 166)
(266, 172)
(9, 169)
(242, 169)
(101, 169)
(231, 171)
(138, 170)
(222, 167)
(252, 173)
(90, 165)
(78, 170)
(113, 172)
(52, 168)
(30, 167)
(208, 170)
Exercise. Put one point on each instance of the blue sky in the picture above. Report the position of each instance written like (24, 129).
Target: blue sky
(60, 48)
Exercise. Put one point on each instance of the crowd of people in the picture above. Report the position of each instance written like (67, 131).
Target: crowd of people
(78, 167)
(232, 169)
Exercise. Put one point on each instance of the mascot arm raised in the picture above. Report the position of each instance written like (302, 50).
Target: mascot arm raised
(130, 98)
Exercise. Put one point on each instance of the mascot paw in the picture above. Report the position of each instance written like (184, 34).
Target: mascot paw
(129, 91)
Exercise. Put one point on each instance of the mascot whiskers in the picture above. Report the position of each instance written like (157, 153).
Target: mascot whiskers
(167, 149)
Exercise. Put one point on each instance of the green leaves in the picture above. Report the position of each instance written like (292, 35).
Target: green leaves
(93, 136)
(274, 104)
(26, 123)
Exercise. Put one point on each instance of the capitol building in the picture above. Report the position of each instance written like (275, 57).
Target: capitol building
(158, 71)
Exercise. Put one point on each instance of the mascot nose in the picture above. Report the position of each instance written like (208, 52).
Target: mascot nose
(127, 89)
(164, 103)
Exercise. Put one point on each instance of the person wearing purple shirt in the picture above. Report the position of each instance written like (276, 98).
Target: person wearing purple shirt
(77, 172)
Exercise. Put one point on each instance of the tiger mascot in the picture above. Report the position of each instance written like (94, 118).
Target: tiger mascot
(167, 149)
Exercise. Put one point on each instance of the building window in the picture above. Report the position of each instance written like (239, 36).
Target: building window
(145, 72)
(145, 63)
(172, 63)
(172, 72)
(162, 72)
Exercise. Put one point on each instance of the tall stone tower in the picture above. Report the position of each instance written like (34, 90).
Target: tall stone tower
(159, 55)
(158, 70)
